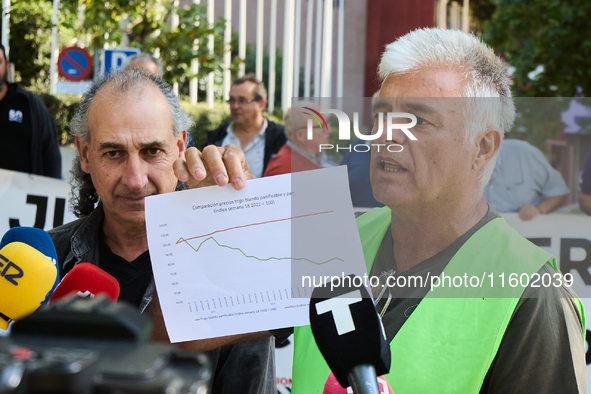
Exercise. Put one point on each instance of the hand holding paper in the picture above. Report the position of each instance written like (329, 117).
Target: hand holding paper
(229, 262)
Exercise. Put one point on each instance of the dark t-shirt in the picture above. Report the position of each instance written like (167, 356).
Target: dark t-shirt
(134, 277)
(15, 131)
(542, 350)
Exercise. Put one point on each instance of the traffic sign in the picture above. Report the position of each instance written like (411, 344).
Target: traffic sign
(116, 57)
(74, 63)
(69, 87)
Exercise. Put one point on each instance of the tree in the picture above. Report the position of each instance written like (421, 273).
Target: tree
(105, 23)
(146, 23)
(548, 33)
(30, 39)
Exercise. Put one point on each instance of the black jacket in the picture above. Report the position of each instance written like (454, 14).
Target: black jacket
(245, 367)
(274, 139)
(45, 153)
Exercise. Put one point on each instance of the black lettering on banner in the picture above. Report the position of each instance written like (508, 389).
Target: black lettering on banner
(541, 242)
(59, 212)
(40, 215)
(588, 354)
(12, 276)
(581, 266)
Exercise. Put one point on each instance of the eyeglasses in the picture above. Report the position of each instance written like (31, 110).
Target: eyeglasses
(381, 293)
(241, 101)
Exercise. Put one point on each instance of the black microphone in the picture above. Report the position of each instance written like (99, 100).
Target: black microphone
(350, 335)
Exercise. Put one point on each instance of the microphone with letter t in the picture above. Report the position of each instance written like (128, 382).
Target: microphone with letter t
(26, 278)
(350, 335)
(39, 240)
(87, 280)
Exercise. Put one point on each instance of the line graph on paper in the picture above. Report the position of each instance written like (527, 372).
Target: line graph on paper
(210, 237)
(220, 255)
(226, 256)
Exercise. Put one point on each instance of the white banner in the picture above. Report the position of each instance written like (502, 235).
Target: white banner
(568, 238)
(32, 201)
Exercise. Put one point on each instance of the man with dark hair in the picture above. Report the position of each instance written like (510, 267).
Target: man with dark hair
(130, 133)
(260, 138)
(27, 128)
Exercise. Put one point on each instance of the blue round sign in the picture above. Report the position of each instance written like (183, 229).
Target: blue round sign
(74, 64)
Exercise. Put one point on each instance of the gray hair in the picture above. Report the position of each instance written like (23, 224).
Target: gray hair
(84, 195)
(485, 76)
(145, 58)
(295, 117)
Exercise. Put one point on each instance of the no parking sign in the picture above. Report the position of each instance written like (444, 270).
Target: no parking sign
(74, 63)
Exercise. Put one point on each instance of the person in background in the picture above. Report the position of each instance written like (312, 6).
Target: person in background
(130, 134)
(27, 130)
(258, 137)
(148, 63)
(585, 196)
(524, 182)
(300, 153)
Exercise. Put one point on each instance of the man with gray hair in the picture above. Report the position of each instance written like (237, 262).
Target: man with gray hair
(148, 63)
(130, 133)
(490, 336)
(301, 152)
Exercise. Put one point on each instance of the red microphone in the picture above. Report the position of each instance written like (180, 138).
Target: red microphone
(87, 280)
(332, 386)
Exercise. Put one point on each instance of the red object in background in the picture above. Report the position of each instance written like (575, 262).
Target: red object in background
(386, 21)
(332, 386)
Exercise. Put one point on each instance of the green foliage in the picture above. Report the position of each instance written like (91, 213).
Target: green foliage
(205, 119)
(145, 23)
(30, 41)
(250, 67)
(62, 109)
(539, 119)
(552, 33)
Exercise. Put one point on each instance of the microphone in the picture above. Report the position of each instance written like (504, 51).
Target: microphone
(87, 280)
(39, 240)
(26, 277)
(349, 334)
(332, 386)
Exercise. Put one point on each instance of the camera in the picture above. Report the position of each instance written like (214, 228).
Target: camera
(92, 346)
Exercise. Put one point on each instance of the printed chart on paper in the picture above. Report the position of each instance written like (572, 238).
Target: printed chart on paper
(223, 259)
